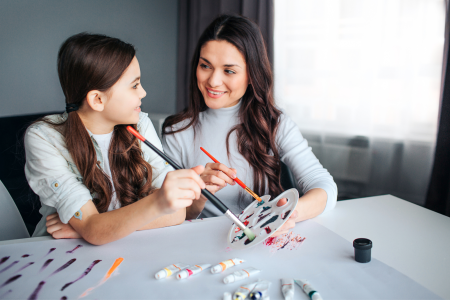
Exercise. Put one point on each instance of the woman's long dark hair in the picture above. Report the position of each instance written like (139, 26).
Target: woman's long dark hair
(89, 62)
(258, 114)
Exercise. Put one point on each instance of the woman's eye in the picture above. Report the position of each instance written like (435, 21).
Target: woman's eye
(203, 66)
(135, 86)
(230, 72)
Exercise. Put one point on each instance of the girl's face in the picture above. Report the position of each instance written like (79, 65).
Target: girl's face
(221, 74)
(124, 97)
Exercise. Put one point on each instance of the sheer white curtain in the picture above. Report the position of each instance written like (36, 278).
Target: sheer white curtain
(362, 79)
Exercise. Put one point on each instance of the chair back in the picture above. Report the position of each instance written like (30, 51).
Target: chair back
(11, 223)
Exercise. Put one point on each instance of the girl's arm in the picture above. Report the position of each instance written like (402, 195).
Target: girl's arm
(59, 230)
(178, 191)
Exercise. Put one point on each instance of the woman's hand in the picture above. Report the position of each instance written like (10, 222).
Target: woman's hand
(179, 189)
(217, 176)
(59, 230)
(290, 223)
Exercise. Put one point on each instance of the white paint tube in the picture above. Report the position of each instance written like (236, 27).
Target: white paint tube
(169, 270)
(226, 264)
(226, 296)
(287, 287)
(192, 271)
(308, 289)
(260, 291)
(243, 291)
(241, 274)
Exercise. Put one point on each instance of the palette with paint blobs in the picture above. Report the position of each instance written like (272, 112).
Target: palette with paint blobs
(263, 218)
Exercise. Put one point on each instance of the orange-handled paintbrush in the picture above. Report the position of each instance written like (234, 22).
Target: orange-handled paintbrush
(254, 195)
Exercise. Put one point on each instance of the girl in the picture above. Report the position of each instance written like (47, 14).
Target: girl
(232, 114)
(87, 167)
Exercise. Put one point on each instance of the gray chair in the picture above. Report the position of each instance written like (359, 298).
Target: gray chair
(287, 178)
(11, 223)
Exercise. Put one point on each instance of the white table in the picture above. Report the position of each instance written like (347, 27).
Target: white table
(407, 237)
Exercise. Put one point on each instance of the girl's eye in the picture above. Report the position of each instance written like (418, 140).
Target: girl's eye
(135, 86)
(203, 66)
(230, 72)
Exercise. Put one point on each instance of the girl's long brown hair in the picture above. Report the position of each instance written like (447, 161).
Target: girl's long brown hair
(89, 62)
(258, 114)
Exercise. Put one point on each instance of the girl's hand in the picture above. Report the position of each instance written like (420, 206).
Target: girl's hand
(290, 223)
(180, 189)
(59, 230)
(217, 176)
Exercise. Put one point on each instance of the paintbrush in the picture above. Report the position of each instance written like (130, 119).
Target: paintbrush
(214, 200)
(246, 188)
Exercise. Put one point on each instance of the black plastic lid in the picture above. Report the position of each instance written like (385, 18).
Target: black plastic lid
(362, 244)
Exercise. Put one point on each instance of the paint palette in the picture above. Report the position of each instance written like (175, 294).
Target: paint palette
(264, 219)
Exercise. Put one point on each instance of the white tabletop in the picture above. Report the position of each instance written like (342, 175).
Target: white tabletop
(407, 237)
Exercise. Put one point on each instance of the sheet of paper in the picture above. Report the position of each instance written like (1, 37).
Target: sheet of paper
(323, 258)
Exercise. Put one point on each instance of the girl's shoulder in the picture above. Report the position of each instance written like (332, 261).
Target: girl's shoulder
(47, 127)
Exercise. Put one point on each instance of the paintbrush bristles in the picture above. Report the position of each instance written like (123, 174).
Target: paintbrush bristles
(253, 194)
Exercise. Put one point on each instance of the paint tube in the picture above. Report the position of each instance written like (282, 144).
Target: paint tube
(243, 291)
(169, 270)
(260, 291)
(287, 287)
(226, 296)
(192, 271)
(226, 264)
(241, 274)
(308, 289)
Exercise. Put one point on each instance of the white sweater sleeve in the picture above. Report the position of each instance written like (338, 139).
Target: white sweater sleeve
(306, 168)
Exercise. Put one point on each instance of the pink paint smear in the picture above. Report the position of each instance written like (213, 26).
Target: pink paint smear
(287, 241)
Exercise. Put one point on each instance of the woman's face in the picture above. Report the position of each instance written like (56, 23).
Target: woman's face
(221, 74)
(123, 105)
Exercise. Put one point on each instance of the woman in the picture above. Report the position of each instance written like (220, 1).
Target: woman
(232, 114)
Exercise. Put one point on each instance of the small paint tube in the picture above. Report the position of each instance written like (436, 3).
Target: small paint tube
(226, 264)
(192, 271)
(287, 288)
(241, 274)
(308, 289)
(169, 270)
(226, 296)
(260, 291)
(243, 291)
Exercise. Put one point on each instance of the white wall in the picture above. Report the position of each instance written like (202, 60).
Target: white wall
(31, 33)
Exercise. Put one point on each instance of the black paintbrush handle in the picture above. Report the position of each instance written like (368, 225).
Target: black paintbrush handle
(214, 200)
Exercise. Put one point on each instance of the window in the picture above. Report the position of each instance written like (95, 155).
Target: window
(360, 67)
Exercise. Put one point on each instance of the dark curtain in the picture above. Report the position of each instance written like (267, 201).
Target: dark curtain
(438, 197)
(195, 15)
